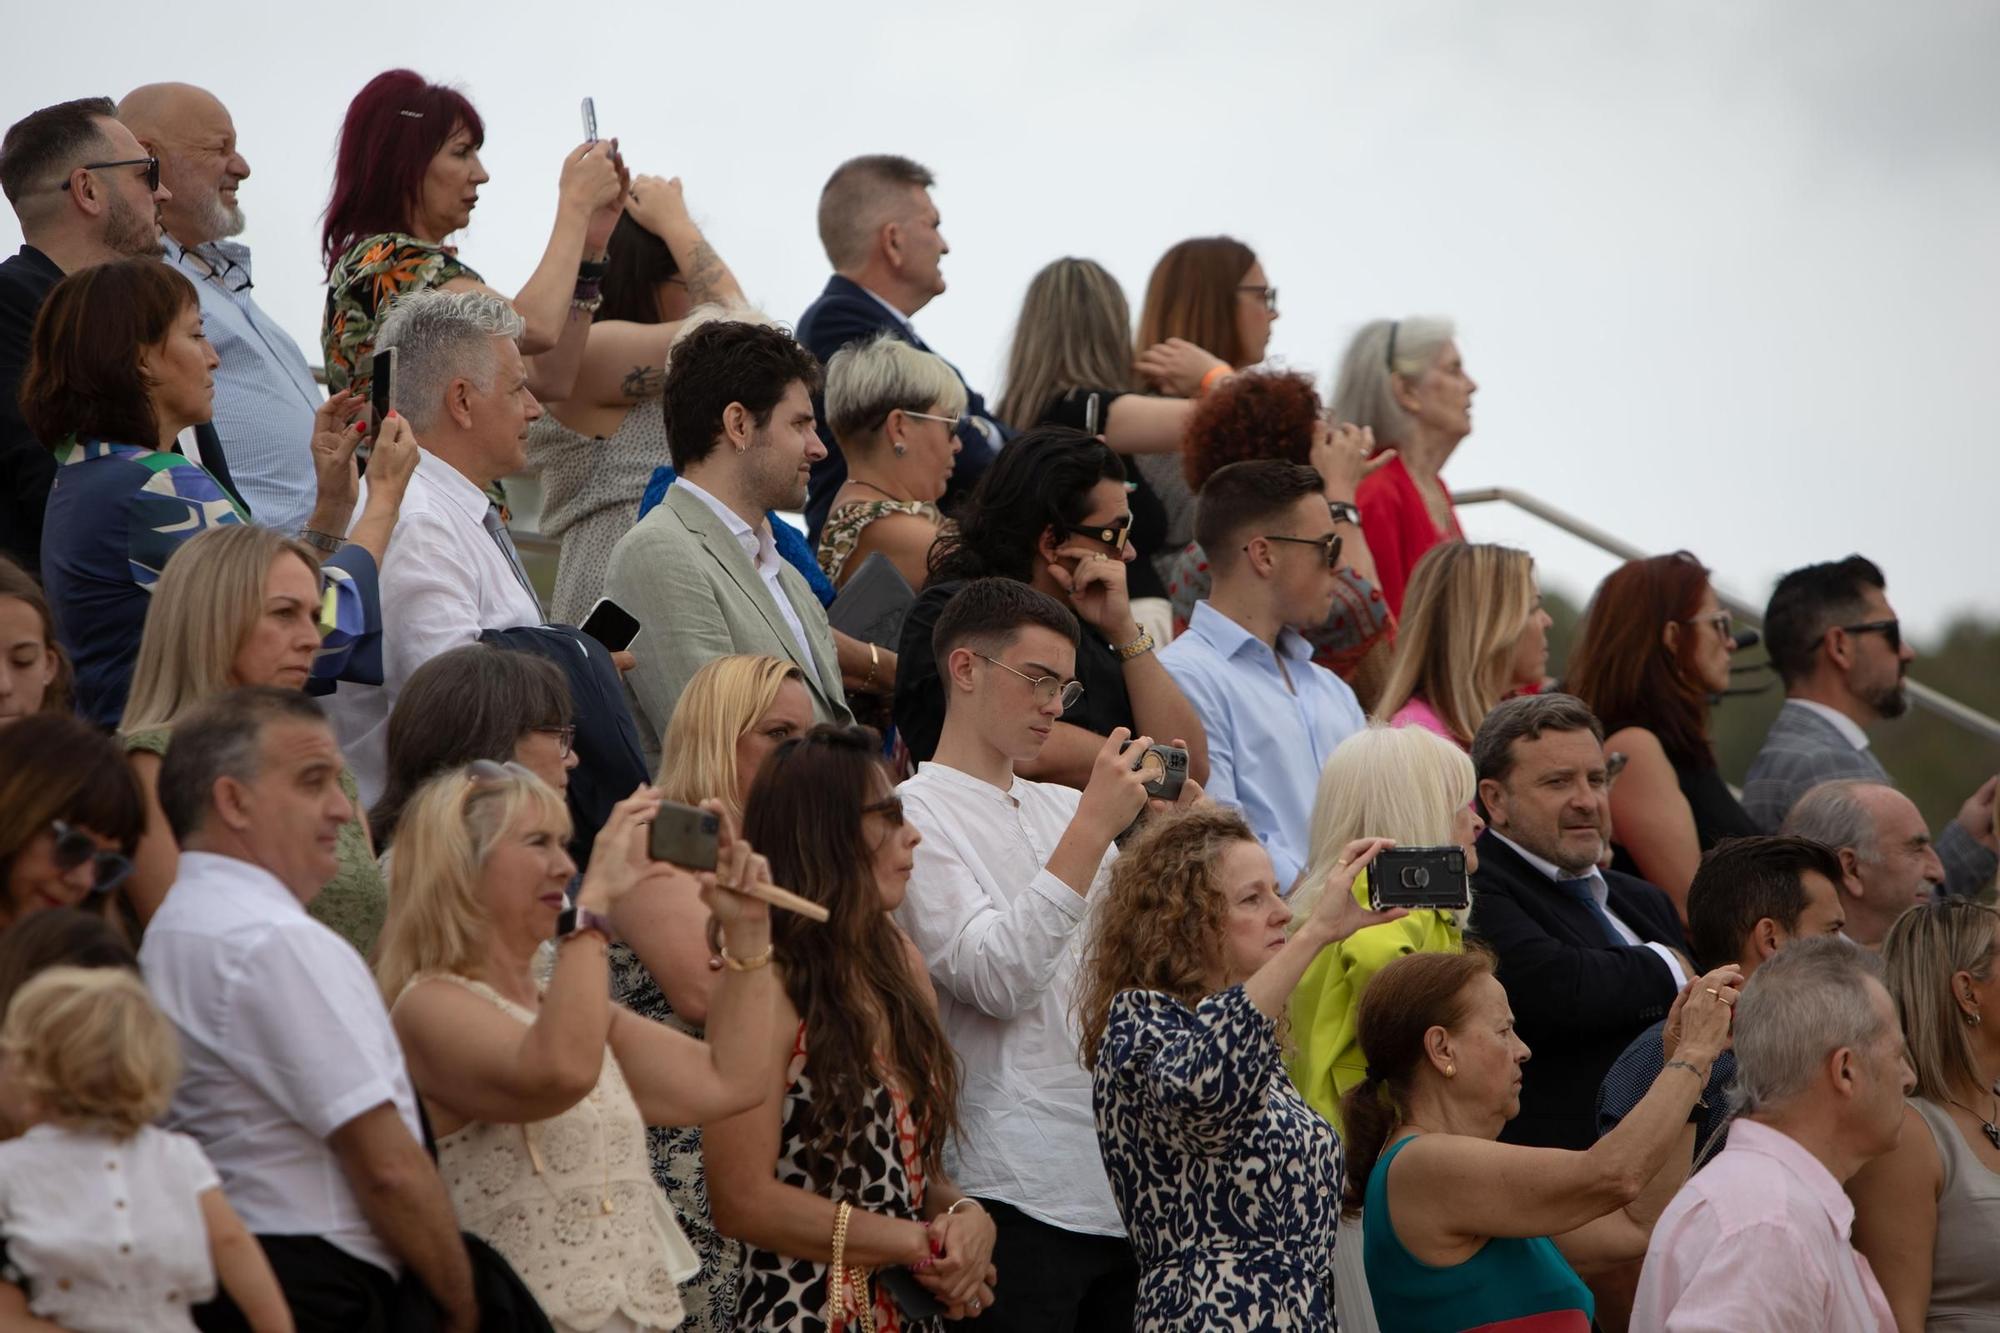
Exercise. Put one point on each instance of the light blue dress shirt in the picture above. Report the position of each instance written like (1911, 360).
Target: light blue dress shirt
(265, 396)
(1267, 741)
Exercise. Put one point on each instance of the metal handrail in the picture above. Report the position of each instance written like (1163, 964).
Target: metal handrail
(1942, 705)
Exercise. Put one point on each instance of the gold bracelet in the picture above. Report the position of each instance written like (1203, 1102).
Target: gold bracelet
(874, 665)
(1137, 648)
(746, 964)
(963, 1200)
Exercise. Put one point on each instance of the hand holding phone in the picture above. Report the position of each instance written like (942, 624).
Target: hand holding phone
(590, 120)
(690, 837)
(611, 625)
(1415, 877)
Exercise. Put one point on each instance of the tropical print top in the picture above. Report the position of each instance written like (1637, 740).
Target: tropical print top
(374, 271)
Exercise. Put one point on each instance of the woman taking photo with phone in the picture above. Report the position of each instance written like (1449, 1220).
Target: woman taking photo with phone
(539, 1093)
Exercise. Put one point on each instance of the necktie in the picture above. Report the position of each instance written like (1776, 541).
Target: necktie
(497, 530)
(1579, 889)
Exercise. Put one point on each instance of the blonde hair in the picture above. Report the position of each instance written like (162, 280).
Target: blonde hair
(1365, 393)
(90, 1048)
(1926, 947)
(206, 602)
(436, 922)
(722, 701)
(865, 381)
(1404, 783)
(1463, 615)
(1075, 331)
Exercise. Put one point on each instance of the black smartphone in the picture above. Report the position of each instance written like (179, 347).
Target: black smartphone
(1419, 877)
(1165, 767)
(611, 625)
(912, 1297)
(685, 835)
(590, 120)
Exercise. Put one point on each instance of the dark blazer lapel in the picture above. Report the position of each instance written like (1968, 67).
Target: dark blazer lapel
(700, 520)
(1569, 921)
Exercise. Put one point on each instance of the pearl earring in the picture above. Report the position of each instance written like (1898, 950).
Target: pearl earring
(898, 448)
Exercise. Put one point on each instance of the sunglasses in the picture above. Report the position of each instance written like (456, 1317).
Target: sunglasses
(1113, 534)
(76, 848)
(889, 807)
(151, 164)
(1329, 545)
(1891, 630)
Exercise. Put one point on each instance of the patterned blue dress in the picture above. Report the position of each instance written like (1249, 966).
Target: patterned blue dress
(1228, 1182)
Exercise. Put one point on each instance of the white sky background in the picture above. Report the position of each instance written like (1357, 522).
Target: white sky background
(1724, 271)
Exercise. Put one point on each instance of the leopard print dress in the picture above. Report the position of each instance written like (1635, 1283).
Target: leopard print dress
(882, 1173)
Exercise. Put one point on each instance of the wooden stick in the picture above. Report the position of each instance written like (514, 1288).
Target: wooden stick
(784, 898)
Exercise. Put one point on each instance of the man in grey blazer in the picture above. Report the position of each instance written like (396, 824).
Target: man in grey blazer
(1839, 648)
(700, 572)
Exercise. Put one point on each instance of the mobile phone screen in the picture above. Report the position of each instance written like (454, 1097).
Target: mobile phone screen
(382, 388)
(611, 625)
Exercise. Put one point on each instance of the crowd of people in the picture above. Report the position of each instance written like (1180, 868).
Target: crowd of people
(381, 950)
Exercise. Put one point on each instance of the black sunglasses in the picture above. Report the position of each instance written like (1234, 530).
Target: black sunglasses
(1330, 544)
(74, 848)
(1891, 630)
(151, 164)
(1114, 534)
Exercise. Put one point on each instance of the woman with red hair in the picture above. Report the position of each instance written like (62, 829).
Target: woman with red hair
(406, 177)
(1653, 652)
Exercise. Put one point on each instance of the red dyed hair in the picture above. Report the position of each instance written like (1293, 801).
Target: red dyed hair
(1622, 667)
(1256, 415)
(394, 127)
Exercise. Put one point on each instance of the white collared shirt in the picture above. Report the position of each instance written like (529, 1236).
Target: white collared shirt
(444, 579)
(1602, 892)
(284, 1038)
(1002, 938)
(1849, 730)
(762, 548)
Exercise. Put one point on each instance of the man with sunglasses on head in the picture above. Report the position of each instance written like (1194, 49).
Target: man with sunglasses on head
(85, 193)
(1273, 716)
(1001, 886)
(1839, 648)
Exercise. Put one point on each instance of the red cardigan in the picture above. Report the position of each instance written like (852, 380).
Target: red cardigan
(1398, 527)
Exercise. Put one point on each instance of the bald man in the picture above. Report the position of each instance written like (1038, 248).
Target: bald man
(265, 396)
(1887, 860)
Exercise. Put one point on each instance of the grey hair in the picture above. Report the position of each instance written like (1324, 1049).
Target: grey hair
(222, 738)
(1806, 1001)
(867, 380)
(441, 336)
(1834, 814)
(861, 195)
(1526, 717)
(1364, 395)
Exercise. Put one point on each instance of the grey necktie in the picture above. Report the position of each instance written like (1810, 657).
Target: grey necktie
(505, 541)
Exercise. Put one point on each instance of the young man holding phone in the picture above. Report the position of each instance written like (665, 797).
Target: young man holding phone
(1001, 887)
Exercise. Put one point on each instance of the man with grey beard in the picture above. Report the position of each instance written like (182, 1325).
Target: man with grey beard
(265, 396)
(85, 193)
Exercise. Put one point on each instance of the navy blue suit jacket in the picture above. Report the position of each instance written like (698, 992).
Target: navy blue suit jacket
(846, 313)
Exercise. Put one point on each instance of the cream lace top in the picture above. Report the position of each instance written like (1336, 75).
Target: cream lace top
(571, 1202)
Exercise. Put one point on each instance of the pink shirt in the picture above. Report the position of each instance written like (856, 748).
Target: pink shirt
(1759, 1240)
(1417, 713)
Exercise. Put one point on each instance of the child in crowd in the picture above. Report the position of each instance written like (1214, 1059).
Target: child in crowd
(110, 1225)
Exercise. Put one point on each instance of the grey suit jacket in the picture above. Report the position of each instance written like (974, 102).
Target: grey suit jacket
(1803, 749)
(697, 597)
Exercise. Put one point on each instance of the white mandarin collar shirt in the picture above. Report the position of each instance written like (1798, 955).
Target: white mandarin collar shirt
(762, 548)
(1602, 892)
(443, 580)
(1003, 941)
(1849, 730)
(284, 1038)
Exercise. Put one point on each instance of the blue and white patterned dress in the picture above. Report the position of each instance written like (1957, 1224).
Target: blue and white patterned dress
(1228, 1182)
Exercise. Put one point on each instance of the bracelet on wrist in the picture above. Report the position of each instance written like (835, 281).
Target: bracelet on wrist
(746, 964)
(592, 270)
(1214, 373)
(963, 1200)
(586, 307)
(1139, 647)
(322, 541)
(874, 666)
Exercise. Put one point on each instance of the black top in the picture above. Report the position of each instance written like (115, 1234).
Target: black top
(1149, 516)
(1717, 813)
(27, 468)
(920, 692)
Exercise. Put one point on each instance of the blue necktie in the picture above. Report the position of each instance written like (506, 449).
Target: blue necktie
(1579, 889)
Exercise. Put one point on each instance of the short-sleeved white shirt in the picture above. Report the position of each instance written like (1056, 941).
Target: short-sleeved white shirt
(106, 1233)
(285, 1040)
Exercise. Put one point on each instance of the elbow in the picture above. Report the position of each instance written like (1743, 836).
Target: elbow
(1618, 1183)
(733, 1214)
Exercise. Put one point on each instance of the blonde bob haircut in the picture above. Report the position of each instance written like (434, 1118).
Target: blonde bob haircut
(1404, 783)
(1463, 613)
(90, 1048)
(1365, 394)
(722, 701)
(207, 600)
(1921, 958)
(436, 922)
(867, 380)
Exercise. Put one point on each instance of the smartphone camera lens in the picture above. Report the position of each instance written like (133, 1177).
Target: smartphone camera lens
(710, 824)
(1416, 877)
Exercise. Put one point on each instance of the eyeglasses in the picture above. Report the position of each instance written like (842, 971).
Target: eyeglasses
(223, 270)
(1267, 295)
(565, 739)
(950, 423)
(1389, 358)
(1046, 687)
(1891, 630)
(1329, 545)
(1113, 534)
(76, 848)
(1722, 622)
(488, 773)
(889, 807)
(151, 164)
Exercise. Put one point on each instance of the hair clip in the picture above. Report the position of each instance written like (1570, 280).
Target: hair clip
(413, 115)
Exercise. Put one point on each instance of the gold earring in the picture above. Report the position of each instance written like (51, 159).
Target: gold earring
(1451, 1071)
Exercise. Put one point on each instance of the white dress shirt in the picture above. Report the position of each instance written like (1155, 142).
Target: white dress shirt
(1848, 728)
(108, 1231)
(285, 1039)
(1001, 936)
(762, 548)
(444, 579)
(1602, 892)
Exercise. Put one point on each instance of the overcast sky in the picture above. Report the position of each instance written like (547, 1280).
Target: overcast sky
(1722, 270)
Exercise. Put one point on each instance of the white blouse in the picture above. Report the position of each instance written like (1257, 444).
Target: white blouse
(105, 1233)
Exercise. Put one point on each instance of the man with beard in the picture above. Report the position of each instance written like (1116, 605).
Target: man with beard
(1839, 648)
(264, 391)
(85, 193)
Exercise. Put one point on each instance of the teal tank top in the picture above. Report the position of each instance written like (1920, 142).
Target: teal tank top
(1525, 1286)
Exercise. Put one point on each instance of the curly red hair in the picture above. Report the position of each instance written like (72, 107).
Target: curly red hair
(1256, 415)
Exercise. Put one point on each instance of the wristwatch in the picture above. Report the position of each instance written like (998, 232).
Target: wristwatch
(576, 920)
(1344, 512)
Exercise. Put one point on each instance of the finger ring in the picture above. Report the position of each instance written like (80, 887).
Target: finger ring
(974, 1307)
(725, 884)
(1713, 991)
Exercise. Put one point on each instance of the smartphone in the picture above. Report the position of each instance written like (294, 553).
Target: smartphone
(611, 625)
(685, 835)
(1165, 767)
(1419, 877)
(912, 1297)
(1093, 411)
(590, 120)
